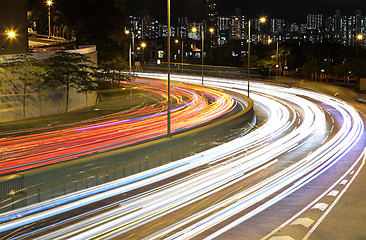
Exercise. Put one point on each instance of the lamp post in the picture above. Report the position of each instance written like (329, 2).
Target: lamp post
(182, 51)
(360, 38)
(194, 30)
(131, 57)
(143, 45)
(127, 32)
(168, 113)
(49, 3)
(130, 64)
(262, 19)
(277, 62)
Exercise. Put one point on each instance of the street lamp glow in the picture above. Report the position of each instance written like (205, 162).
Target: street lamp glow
(11, 34)
(270, 41)
(49, 3)
(176, 41)
(194, 29)
(212, 30)
(127, 32)
(360, 37)
(262, 19)
(143, 45)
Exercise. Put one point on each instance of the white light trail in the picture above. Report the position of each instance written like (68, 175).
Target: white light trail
(283, 133)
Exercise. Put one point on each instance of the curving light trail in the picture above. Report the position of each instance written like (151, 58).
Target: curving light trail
(191, 107)
(217, 184)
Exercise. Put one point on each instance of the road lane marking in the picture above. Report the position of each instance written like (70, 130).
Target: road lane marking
(282, 238)
(306, 222)
(320, 206)
(333, 193)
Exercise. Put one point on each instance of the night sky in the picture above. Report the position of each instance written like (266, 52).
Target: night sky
(291, 10)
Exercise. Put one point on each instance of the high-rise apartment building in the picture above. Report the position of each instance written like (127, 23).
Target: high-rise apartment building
(315, 21)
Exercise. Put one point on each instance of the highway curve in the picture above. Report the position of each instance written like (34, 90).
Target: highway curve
(190, 106)
(301, 136)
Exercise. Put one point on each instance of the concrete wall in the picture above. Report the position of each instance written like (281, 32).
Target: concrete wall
(22, 189)
(363, 84)
(38, 104)
(13, 17)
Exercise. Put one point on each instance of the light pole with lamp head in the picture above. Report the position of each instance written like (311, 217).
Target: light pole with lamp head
(277, 65)
(168, 113)
(143, 45)
(131, 57)
(360, 38)
(182, 52)
(49, 3)
(194, 30)
(262, 20)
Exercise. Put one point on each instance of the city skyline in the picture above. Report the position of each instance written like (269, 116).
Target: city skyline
(290, 10)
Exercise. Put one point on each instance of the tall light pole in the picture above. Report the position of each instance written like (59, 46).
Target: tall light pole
(194, 30)
(131, 57)
(182, 55)
(127, 32)
(262, 19)
(130, 64)
(182, 52)
(360, 38)
(203, 47)
(49, 3)
(168, 114)
(277, 60)
(143, 45)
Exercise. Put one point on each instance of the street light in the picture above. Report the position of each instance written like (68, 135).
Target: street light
(182, 51)
(194, 30)
(143, 46)
(168, 113)
(277, 62)
(360, 37)
(49, 3)
(11, 34)
(127, 32)
(262, 20)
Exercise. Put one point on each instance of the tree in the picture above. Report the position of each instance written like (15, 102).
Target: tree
(30, 72)
(71, 70)
(112, 69)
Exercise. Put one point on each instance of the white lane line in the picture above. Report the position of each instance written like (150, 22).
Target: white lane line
(338, 198)
(282, 238)
(362, 156)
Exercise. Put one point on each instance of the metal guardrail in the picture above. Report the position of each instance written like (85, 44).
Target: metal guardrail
(33, 186)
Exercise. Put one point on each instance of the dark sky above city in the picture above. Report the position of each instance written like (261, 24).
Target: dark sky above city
(291, 10)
